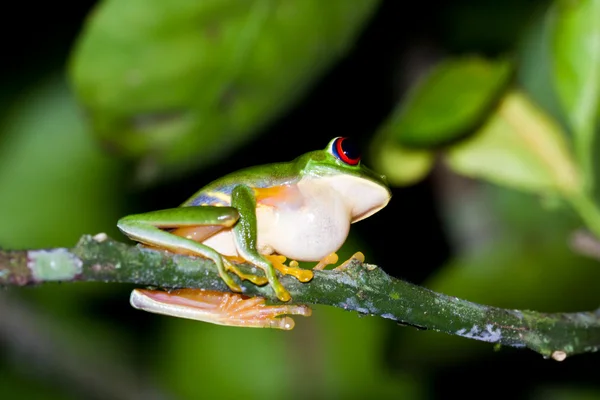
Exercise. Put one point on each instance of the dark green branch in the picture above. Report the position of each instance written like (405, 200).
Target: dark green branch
(363, 288)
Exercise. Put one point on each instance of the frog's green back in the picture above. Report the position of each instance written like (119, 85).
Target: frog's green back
(218, 192)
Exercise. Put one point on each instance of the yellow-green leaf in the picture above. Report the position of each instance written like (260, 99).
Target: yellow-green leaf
(56, 184)
(401, 165)
(520, 146)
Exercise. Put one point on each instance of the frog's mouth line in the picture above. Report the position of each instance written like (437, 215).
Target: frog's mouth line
(368, 213)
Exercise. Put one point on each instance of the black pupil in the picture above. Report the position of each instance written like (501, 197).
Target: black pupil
(350, 149)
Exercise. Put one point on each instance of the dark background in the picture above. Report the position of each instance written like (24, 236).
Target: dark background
(352, 99)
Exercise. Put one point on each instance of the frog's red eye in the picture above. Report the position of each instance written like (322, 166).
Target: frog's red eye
(346, 150)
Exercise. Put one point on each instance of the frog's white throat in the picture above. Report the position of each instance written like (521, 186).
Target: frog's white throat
(316, 223)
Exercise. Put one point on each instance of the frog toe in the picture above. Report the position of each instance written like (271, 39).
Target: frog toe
(328, 260)
(303, 275)
(359, 256)
(255, 279)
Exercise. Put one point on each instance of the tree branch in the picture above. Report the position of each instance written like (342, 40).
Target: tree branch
(363, 288)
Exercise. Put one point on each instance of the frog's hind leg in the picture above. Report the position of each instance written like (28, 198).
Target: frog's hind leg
(201, 233)
(197, 233)
(152, 229)
(229, 309)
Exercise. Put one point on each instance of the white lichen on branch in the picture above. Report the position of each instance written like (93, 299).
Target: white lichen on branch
(488, 334)
(53, 265)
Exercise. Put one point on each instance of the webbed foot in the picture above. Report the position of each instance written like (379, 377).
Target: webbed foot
(220, 308)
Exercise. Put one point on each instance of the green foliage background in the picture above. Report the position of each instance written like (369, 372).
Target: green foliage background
(484, 118)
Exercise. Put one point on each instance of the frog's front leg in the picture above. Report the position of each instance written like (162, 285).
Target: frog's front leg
(229, 309)
(245, 236)
(149, 228)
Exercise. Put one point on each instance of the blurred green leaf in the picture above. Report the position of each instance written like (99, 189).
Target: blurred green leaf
(332, 354)
(181, 83)
(401, 165)
(576, 50)
(535, 66)
(56, 185)
(211, 361)
(353, 358)
(519, 146)
(449, 102)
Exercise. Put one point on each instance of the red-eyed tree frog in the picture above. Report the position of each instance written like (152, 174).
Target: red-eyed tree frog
(261, 215)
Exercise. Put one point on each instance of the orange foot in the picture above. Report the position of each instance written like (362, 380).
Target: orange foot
(303, 275)
(327, 260)
(230, 309)
(356, 256)
(332, 259)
